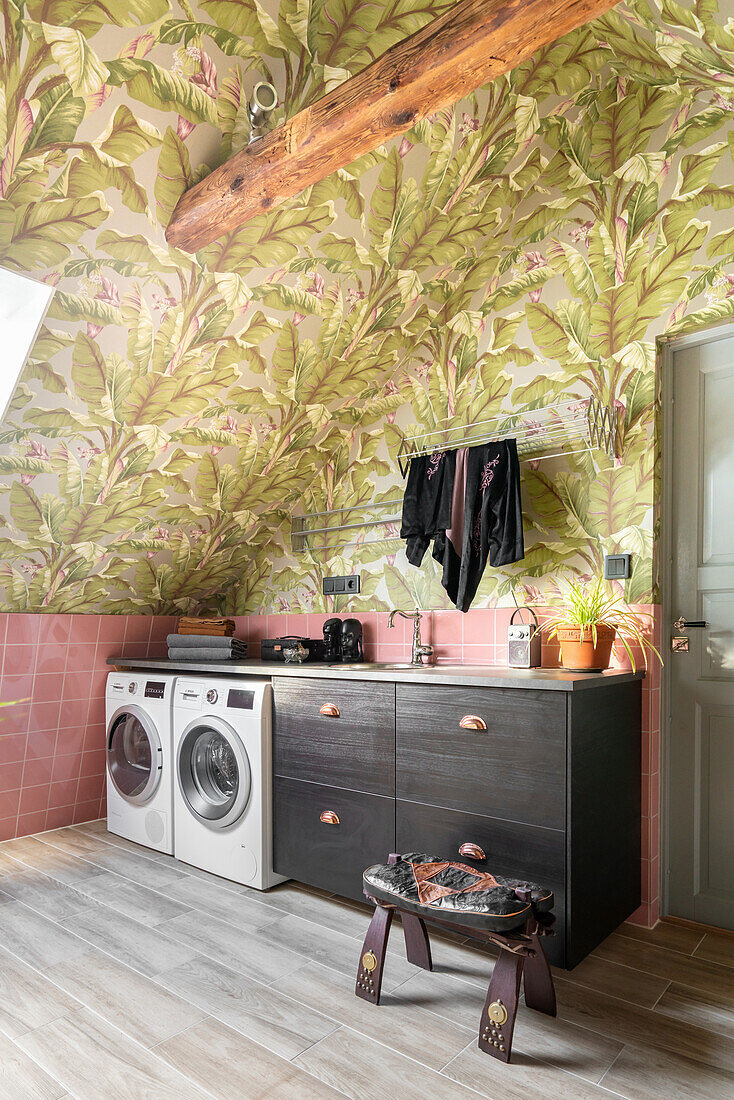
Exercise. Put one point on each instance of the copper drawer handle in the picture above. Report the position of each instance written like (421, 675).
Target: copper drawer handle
(471, 851)
(329, 710)
(472, 722)
(329, 817)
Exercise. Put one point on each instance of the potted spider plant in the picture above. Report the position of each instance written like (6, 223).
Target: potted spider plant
(588, 619)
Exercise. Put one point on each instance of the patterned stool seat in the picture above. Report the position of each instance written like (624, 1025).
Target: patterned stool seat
(455, 892)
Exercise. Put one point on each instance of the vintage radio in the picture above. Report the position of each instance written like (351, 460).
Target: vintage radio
(523, 642)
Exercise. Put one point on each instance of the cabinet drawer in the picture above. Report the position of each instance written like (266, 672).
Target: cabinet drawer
(330, 856)
(354, 747)
(519, 851)
(515, 768)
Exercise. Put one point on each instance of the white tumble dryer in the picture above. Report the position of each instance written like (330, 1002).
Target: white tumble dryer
(222, 736)
(140, 758)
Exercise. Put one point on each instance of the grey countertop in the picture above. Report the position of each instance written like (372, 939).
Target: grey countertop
(549, 679)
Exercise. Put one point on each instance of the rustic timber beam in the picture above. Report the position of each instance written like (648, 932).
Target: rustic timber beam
(467, 46)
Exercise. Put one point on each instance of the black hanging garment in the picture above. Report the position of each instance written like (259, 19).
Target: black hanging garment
(492, 520)
(427, 501)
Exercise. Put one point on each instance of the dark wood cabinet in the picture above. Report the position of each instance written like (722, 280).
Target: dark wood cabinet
(509, 849)
(513, 768)
(332, 834)
(340, 732)
(545, 782)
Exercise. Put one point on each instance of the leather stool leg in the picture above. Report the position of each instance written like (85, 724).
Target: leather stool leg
(372, 959)
(500, 1006)
(417, 943)
(540, 992)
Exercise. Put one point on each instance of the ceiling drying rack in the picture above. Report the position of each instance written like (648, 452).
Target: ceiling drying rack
(563, 428)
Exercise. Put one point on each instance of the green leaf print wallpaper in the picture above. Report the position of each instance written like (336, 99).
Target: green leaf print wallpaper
(530, 243)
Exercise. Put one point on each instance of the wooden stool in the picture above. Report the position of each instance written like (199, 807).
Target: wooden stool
(509, 913)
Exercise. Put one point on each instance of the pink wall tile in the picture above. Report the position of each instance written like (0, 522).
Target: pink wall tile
(70, 739)
(45, 716)
(479, 627)
(38, 771)
(15, 688)
(58, 818)
(93, 762)
(19, 659)
(67, 767)
(48, 687)
(9, 801)
(22, 630)
(86, 811)
(478, 654)
(138, 628)
(73, 713)
(41, 743)
(52, 657)
(447, 628)
(390, 635)
(54, 629)
(84, 628)
(448, 653)
(16, 719)
(80, 656)
(31, 823)
(111, 628)
(641, 916)
(12, 747)
(33, 799)
(63, 793)
(90, 788)
(11, 776)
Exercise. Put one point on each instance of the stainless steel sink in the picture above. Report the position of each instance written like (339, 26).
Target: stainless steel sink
(376, 665)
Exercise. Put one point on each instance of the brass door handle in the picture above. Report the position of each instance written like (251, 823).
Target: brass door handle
(688, 624)
(472, 851)
(472, 722)
(329, 710)
(329, 817)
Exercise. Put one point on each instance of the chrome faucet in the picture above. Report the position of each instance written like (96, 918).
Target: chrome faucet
(419, 650)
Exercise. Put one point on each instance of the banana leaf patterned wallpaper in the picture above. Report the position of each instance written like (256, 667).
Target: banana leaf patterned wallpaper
(529, 244)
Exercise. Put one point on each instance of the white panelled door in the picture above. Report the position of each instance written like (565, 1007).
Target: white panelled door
(701, 754)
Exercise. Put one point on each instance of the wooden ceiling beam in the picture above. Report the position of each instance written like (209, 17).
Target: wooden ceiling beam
(467, 46)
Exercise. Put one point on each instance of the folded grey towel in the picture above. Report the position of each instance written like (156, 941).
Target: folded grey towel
(203, 641)
(202, 654)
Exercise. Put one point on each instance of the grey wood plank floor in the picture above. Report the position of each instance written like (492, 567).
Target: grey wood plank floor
(128, 974)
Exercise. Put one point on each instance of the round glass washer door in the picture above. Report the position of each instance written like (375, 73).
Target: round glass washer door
(213, 772)
(134, 754)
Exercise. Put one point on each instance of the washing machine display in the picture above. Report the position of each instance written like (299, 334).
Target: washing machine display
(214, 772)
(134, 755)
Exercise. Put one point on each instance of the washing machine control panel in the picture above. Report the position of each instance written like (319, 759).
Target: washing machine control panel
(212, 695)
(132, 687)
(239, 699)
(155, 689)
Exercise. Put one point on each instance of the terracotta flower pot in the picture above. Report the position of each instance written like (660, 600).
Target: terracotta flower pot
(578, 652)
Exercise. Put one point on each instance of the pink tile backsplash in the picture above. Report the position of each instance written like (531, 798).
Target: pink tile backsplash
(52, 760)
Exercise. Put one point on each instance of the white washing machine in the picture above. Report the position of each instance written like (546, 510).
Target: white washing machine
(140, 758)
(222, 736)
